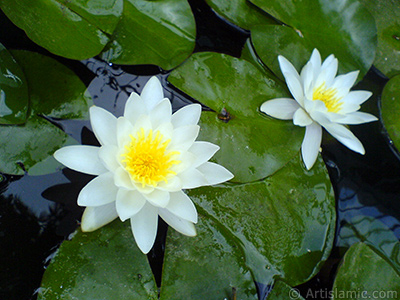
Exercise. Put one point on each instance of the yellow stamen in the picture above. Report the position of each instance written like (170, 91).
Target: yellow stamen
(328, 96)
(147, 160)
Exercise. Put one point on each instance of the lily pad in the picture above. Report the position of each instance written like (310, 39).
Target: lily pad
(212, 259)
(55, 92)
(343, 28)
(14, 96)
(241, 12)
(387, 17)
(55, 27)
(390, 109)
(284, 224)
(153, 32)
(253, 146)
(105, 264)
(364, 274)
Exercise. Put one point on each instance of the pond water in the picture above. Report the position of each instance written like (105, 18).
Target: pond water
(38, 212)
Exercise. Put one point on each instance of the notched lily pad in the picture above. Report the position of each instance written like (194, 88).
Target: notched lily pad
(14, 96)
(105, 264)
(343, 28)
(253, 146)
(365, 273)
(390, 109)
(153, 32)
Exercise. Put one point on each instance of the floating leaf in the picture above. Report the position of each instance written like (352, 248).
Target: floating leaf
(105, 264)
(344, 28)
(241, 12)
(55, 27)
(387, 17)
(212, 259)
(54, 91)
(253, 146)
(284, 225)
(153, 32)
(390, 109)
(14, 96)
(365, 275)
(282, 291)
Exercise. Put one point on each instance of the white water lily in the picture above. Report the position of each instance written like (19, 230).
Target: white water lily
(146, 158)
(320, 99)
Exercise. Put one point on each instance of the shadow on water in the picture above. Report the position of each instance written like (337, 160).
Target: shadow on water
(38, 213)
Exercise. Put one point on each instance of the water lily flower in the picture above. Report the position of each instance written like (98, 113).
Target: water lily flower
(321, 99)
(146, 158)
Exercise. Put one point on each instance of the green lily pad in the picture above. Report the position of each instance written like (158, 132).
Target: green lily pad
(282, 291)
(153, 32)
(253, 146)
(343, 28)
(390, 109)
(105, 264)
(55, 27)
(284, 225)
(104, 14)
(241, 12)
(364, 274)
(387, 17)
(374, 233)
(212, 259)
(55, 91)
(14, 96)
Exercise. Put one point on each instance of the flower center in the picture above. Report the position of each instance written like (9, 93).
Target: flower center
(147, 160)
(328, 96)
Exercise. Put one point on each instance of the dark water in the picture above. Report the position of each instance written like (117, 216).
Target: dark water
(38, 213)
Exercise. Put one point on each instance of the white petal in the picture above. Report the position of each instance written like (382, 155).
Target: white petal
(83, 159)
(183, 138)
(345, 81)
(357, 118)
(315, 61)
(166, 129)
(202, 151)
(96, 217)
(129, 203)
(174, 184)
(134, 108)
(122, 179)
(179, 224)
(356, 97)
(301, 118)
(192, 178)
(311, 144)
(181, 206)
(104, 125)
(124, 130)
(328, 72)
(161, 113)
(109, 156)
(99, 191)
(144, 227)
(346, 137)
(187, 115)
(307, 78)
(280, 108)
(158, 198)
(152, 93)
(214, 173)
(295, 87)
